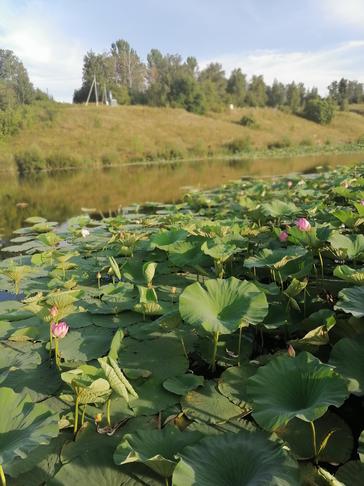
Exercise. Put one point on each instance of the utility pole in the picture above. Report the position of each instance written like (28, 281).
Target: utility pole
(93, 85)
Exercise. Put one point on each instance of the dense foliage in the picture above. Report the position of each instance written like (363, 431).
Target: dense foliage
(168, 80)
(319, 111)
(165, 344)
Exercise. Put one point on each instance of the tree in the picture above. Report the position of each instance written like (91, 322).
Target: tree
(15, 76)
(319, 110)
(237, 87)
(276, 94)
(129, 71)
(257, 92)
(293, 97)
(213, 84)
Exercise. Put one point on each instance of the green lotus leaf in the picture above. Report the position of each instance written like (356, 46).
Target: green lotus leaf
(350, 274)
(88, 461)
(298, 435)
(208, 405)
(275, 258)
(188, 254)
(116, 378)
(277, 208)
(223, 306)
(301, 387)
(165, 239)
(153, 398)
(317, 476)
(24, 426)
(351, 473)
(164, 358)
(361, 446)
(351, 301)
(21, 355)
(347, 357)
(351, 246)
(218, 250)
(155, 448)
(232, 383)
(85, 343)
(180, 385)
(231, 459)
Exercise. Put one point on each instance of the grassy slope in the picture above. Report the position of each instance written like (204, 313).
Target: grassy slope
(128, 133)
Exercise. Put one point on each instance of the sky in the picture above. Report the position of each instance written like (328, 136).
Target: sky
(313, 41)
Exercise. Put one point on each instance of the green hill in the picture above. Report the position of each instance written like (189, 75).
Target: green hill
(100, 135)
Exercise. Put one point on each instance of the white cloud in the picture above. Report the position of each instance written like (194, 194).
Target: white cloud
(53, 61)
(313, 68)
(345, 11)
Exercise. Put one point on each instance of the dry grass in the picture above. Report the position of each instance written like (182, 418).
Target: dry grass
(129, 133)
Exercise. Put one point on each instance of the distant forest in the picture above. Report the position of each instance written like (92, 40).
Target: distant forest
(168, 80)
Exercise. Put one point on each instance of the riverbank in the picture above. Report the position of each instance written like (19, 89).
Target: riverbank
(78, 136)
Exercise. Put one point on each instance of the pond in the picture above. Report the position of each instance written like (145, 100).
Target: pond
(59, 196)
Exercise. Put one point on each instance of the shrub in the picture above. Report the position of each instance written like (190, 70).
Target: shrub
(284, 142)
(248, 121)
(360, 140)
(239, 145)
(30, 160)
(11, 121)
(61, 161)
(107, 160)
(319, 110)
(306, 142)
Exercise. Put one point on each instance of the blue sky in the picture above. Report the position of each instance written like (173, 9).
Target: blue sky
(310, 40)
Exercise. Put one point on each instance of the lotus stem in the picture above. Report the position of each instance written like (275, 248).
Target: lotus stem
(239, 345)
(83, 414)
(108, 406)
(184, 348)
(2, 476)
(314, 441)
(50, 340)
(75, 427)
(56, 352)
(167, 481)
(214, 351)
(322, 267)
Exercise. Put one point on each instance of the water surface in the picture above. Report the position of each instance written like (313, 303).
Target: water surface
(58, 196)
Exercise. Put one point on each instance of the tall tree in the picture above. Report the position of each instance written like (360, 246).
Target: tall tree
(129, 70)
(15, 76)
(257, 92)
(237, 87)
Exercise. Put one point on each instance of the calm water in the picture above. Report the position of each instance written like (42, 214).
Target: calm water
(62, 195)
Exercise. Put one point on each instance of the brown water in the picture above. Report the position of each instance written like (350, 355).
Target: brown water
(60, 195)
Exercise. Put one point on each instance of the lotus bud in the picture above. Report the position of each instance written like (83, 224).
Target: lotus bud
(53, 311)
(173, 290)
(362, 202)
(98, 418)
(303, 224)
(291, 352)
(289, 184)
(283, 236)
(98, 275)
(59, 330)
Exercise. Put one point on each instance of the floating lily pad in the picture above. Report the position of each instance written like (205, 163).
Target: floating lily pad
(233, 381)
(208, 405)
(85, 344)
(182, 384)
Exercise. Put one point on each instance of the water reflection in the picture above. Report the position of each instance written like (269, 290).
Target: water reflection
(61, 195)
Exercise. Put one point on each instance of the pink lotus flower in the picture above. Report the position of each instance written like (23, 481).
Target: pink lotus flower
(283, 236)
(362, 202)
(53, 311)
(303, 224)
(289, 184)
(59, 330)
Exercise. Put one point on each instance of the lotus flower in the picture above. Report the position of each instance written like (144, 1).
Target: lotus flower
(362, 202)
(59, 330)
(289, 184)
(283, 236)
(303, 224)
(85, 232)
(53, 311)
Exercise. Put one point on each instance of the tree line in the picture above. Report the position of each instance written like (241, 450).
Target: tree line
(169, 80)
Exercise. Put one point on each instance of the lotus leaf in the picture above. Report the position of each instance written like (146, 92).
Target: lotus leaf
(351, 301)
(231, 459)
(301, 387)
(347, 357)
